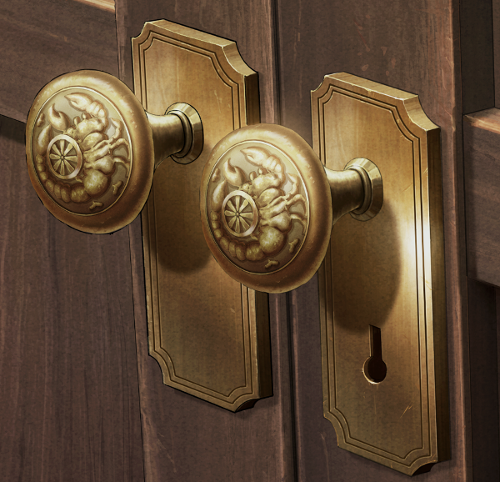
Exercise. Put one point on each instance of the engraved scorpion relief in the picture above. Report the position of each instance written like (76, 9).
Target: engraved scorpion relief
(83, 163)
(258, 207)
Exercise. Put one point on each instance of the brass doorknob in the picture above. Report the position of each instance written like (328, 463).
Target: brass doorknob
(92, 150)
(268, 205)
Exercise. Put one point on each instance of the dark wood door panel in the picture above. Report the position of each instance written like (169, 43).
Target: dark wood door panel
(249, 23)
(482, 194)
(41, 40)
(483, 318)
(410, 46)
(69, 402)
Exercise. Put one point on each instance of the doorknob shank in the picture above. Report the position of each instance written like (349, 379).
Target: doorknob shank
(177, 134)
(357, 190)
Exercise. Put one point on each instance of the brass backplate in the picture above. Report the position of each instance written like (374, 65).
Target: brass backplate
(209, 334)
(383, 321)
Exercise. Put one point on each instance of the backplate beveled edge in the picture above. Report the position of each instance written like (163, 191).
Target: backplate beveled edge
(412, 116)
(257, 314)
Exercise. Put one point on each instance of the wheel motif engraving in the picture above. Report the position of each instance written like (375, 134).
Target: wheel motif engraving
(83, 151)
(257, 206)
(240, 214)
(64, 157)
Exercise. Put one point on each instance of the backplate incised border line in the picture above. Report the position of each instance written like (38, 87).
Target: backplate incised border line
(233, 85)
(254, 376)
(417, 161)
(426, 304)
(159, 349)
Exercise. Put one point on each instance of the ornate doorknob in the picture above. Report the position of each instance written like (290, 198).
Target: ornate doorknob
(92, 150)
(268, 205)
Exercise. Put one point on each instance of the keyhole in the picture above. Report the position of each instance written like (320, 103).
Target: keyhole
(374, 367)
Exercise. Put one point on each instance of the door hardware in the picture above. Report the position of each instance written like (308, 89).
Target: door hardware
(385, 274)
(266, 196)
(268, 205)
(92, 149)
(374, 367)
(268, 202)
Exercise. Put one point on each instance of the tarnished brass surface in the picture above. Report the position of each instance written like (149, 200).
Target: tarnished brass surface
(89, 151)
(357, 190)
(177, 134)
(268, 205)
(272, 176)
(90, 148)
(192, 129)
(209, 334)
(382, 283)
(373, 188)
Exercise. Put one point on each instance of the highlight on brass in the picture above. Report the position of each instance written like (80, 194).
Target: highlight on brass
(91, 149)
(266, 203)
(381, 287)
(256, 213)
(82, 147)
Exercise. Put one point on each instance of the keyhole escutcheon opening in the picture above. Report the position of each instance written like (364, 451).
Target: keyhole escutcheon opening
(374, 368)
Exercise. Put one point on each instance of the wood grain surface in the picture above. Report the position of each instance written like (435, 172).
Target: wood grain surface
(249, 23)
(482, 181)
(413, 47)
(41, 40)
(477, 47)
(71, 377)
(189, 440)
(480, 66)
(495, 26)
(482, 196)
(483, 355)
(69, 402)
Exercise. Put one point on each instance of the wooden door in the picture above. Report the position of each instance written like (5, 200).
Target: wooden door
(69, 405)
(82, 400)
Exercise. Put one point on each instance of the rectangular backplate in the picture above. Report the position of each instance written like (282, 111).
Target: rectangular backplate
(382, 283)
(209, 334)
